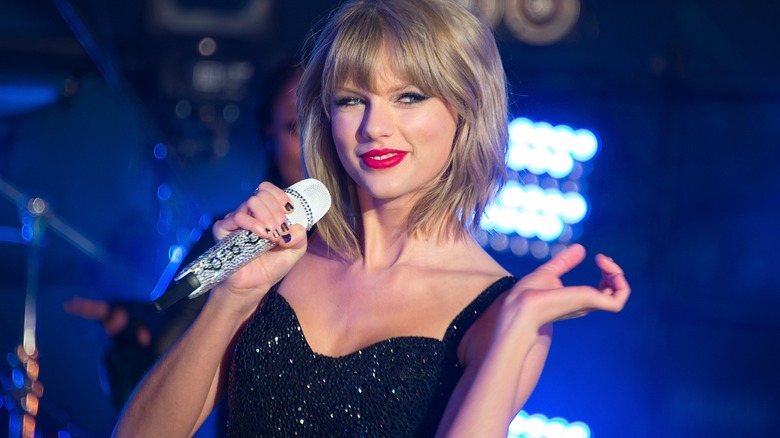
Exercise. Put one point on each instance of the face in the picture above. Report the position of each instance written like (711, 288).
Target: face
(284, 131)
(392, 140)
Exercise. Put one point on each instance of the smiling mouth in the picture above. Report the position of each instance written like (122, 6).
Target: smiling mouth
(382, 159)
(383, 156)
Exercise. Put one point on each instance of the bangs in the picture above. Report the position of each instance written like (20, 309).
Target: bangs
(366, 37)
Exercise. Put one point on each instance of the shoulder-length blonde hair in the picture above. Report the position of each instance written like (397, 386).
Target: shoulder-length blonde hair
(440, 47)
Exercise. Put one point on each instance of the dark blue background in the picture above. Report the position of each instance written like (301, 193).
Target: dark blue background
(684, 94)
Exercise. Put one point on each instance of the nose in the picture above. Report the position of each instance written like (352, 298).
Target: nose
(377, 121)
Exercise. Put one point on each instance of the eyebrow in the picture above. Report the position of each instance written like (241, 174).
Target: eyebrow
(351, 88)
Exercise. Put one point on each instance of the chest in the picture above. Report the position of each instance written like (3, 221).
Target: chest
(341, 313)
(396, 387)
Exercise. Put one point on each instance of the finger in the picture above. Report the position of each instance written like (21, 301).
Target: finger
(293, 237)
(281, 196)
(594, 299)
(269, 216)
(607, 265)
(564, 261)
(612, 276)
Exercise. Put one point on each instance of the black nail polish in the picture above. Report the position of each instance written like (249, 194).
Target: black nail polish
(288, 207)
(268, 231)
(287, 238)
(285, 228)
(276, 233)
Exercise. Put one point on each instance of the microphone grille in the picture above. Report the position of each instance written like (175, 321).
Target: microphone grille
(310, 199)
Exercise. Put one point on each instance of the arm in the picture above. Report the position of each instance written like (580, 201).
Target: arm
(179, 392)
(176, 396)
(504, 361)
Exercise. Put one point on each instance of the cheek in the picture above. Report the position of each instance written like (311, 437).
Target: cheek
(341, 129)
(439, 132)
(343, 136)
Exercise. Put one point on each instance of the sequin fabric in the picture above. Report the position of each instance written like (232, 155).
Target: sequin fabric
(399, 387)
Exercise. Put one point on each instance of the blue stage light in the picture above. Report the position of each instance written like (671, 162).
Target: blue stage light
(175, 253)
(539, 426)
(543, 200)
(160, 151)
(164, 192)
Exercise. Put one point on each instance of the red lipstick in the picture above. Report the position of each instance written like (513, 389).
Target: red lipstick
(382, 158)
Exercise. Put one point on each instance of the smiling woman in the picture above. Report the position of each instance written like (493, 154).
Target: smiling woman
(390, 320)
(393, 140)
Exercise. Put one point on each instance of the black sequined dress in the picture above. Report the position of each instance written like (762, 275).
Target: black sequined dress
(399, 387)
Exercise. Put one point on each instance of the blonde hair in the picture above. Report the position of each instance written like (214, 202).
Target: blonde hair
(440, 47)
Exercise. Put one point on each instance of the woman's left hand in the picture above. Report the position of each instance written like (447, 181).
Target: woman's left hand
(540, 297)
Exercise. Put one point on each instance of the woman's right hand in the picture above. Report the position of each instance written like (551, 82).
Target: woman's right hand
(264, 214)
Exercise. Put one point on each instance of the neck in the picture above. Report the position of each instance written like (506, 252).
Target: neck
(384, 236)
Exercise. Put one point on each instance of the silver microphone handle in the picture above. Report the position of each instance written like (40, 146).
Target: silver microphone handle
(230, 254)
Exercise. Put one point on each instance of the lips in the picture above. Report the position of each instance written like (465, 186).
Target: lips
(383, 158)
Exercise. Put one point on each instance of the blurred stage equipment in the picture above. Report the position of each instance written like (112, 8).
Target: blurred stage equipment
(536, 22)
(541, 22)
(232, 18)
(490, 11)
(23, 387)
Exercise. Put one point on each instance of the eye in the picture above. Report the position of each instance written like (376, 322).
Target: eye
(412, 97)
(348, 101)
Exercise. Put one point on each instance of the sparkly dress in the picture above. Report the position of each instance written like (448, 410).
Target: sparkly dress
(399, 387)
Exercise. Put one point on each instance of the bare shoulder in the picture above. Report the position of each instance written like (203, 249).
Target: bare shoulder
(471, 270)
(479, 336)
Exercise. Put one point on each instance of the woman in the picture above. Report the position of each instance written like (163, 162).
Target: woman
(391, 320)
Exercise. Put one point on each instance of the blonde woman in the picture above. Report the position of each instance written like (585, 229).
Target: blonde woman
(390, 320)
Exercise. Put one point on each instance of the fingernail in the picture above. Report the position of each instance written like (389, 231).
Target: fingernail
(285, 228)
(276, 234)
(287, 238)
(267, 231)
(288, 207)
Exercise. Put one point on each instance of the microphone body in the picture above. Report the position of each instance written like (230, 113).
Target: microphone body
(310, 200)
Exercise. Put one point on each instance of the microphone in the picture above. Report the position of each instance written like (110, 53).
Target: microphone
(310, 200)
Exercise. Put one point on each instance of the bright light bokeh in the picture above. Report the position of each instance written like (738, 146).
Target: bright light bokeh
(539, 426)
(536, 211)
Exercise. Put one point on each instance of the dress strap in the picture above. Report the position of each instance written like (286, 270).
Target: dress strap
(475, 309)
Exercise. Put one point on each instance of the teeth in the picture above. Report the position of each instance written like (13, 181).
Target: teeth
(383, 157)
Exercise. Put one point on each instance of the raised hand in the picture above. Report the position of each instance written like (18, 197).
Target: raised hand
(540, 297)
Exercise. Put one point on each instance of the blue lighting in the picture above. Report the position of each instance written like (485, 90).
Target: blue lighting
(12, 359)
(164, 192)
(175, 253)
(17, 376)
(19, 98)
(542, 148)
(539, 426)
(27, 232)
(160, 151)
(204, 221)
(585, 145)
(15, 425)
(543, 200)
(532, 212)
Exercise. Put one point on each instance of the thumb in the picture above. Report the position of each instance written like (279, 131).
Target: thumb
(564, 261)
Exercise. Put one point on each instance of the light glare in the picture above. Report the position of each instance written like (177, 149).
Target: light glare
(554, 155)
